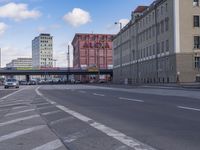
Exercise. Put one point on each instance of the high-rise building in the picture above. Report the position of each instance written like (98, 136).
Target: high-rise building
(161, 44)
(42, 51)
(92, 50)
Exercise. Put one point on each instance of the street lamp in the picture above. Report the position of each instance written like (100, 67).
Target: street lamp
(54, 60)
(120, 50)
(120, 24)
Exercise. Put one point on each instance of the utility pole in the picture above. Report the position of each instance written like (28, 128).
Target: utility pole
(68, 62)
(68, 57)
(0, 57)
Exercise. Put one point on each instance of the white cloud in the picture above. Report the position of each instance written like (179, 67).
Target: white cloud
(3, 28)
(18, 12)
(124, 22)
(113, 28)
(9, 53)
(77, 17)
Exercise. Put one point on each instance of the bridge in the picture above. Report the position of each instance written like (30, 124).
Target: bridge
(6, 72)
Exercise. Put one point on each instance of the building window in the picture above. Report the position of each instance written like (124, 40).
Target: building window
(167, 45)
(197, 62)
(166, 24)
(196, 21)
(195, 2)
(162, 26)
(196, 42)
(163, 46)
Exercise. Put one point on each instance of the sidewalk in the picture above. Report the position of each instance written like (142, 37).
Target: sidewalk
(22, 127)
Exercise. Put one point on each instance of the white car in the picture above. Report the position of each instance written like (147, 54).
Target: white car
(11, 83)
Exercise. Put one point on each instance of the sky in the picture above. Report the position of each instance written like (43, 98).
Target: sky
(22, 20)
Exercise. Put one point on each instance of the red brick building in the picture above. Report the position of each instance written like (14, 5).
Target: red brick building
(92, 50)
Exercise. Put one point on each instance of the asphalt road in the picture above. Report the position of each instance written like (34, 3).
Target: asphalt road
(82, 117)
(163, 122)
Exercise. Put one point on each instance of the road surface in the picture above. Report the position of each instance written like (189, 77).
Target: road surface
(82, 117)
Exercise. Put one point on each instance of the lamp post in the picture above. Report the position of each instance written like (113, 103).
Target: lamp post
(45, 76)
(120, 25)
(120, 34)
(54, 60)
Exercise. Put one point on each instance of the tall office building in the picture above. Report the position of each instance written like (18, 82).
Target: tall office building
(161, 44)
(42, 51)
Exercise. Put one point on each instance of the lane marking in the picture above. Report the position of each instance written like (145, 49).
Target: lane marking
(21, 132)
(2, 106)
(189, 108)
(50, 146)
(7, 102)
(129, 141)
(18, 120)
(129, 99)
(19, 112)
(37, 91)
(19, 107)
(73, 137)
(51, 112)
(121, 137)
(3, 98)
(98, 94)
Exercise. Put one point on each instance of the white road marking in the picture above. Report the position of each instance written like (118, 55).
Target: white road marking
(12, 105)
(129, 141)
(189, 108)
(21, 132)
(51, 112)
(19, 107)
(7, 102)
(3, 98)
(73, 137)
(129, 99)
(18, 120)
(61, 120)
(50, 146)
(19, 112)
(98, 94)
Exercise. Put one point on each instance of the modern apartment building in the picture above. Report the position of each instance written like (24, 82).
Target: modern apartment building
(161, 44)
(20, 63)
(42, 51)
(92, 51)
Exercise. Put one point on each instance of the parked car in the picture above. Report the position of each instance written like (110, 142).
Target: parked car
(32, 82)
(23, 82)
(11, 83)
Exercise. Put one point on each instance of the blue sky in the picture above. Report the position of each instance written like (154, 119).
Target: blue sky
(22, 20)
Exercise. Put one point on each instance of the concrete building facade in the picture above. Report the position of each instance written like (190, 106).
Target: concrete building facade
(92, 51)
(20, 63)
(42, 51)
(161, 44)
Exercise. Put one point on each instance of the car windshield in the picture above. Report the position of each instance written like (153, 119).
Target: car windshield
(11, 80)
